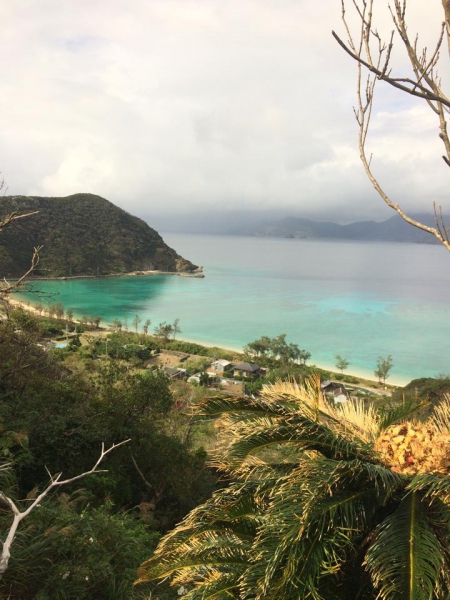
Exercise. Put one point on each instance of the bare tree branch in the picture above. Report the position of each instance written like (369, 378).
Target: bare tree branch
(141, 475)
(20, 284)
(425, 85)
(14, 217)
(399, 83)
(446, 5)
(55, 481)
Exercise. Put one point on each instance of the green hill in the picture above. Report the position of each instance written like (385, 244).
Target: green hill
(82, 234)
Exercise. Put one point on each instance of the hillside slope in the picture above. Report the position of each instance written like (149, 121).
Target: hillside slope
(82, 234)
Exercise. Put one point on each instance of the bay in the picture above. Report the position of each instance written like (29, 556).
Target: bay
(359, 300)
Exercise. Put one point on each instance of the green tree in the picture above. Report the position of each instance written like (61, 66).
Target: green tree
(95, 321)
(258, 348)
(136, 320)
(164, 331)
(59, 310)
(204, 379)
(117, 324)
(69, 314)
(384, 365)
(278, 347)
(325, 503)
(341, 363)
(176, 329)
(146, 326)
(304, 356)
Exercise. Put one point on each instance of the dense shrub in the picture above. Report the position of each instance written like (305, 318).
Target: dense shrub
(73, 551)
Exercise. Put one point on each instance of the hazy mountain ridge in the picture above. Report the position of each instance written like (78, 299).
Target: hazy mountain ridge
(81, 234)
(269, 224)
(394, 229)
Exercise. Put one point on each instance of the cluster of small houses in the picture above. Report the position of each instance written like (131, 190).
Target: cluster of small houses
(217, 369)
(333, 390)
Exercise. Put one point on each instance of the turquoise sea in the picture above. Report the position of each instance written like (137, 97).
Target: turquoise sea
(360, 300)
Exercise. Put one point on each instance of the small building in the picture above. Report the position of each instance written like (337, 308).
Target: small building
(340, 395)
(199, 377)
(194, 378)
(335, 391)
(246, 369)
(328, 387)
(175, 373)
(221, 365)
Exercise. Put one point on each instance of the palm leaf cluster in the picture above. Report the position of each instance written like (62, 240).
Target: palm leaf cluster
(317, 504)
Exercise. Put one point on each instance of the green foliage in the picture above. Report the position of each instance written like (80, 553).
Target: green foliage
(426, 388)
(346, 378)
(341, 363)
(56, 418)
(82, 234)
(311, 511)
(125, 346)
(164, 331)
(384, 365)
(270, 351)
(71, 550)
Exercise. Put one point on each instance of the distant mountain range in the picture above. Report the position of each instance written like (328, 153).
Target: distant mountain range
(394, 229)
(82, 234)
(272, 224)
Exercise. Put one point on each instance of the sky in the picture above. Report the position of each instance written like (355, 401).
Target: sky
(186, 107)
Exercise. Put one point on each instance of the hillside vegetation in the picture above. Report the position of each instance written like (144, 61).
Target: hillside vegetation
(82, 234)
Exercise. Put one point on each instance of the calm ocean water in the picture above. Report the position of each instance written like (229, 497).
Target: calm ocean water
(360, 300)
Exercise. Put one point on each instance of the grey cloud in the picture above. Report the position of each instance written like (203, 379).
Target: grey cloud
(169, 104)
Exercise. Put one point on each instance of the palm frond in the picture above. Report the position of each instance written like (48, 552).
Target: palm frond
(244, 406)
(404, 560)
(300, 432)
(305, 398)
(217, 586)
(440, 416)
(431, 485)
(399, 413)
(357, 420)
(215, 537)
(310, 526)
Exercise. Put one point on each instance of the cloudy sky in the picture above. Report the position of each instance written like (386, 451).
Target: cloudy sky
(185, 106)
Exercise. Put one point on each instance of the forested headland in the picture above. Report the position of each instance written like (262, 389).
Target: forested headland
(78, 235)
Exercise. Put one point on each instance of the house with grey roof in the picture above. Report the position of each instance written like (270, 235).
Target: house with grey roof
(246, 369)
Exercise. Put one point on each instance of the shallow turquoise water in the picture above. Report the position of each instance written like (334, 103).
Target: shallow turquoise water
(361, 300)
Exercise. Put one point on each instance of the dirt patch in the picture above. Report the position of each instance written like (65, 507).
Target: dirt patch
(163, 360)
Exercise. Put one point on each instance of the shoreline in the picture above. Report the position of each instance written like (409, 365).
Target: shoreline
(198, 274)
(360, 374)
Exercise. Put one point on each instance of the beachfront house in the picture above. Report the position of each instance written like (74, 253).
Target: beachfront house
(246, 369)
(221, 365)
(340, 395)
(335, 391)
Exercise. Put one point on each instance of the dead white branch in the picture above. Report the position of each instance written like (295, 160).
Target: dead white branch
(14, 217)
(8, 288)
(446, 5)
(372, 53)
(55, 481)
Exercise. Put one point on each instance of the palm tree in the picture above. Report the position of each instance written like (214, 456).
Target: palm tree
(325, 503)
